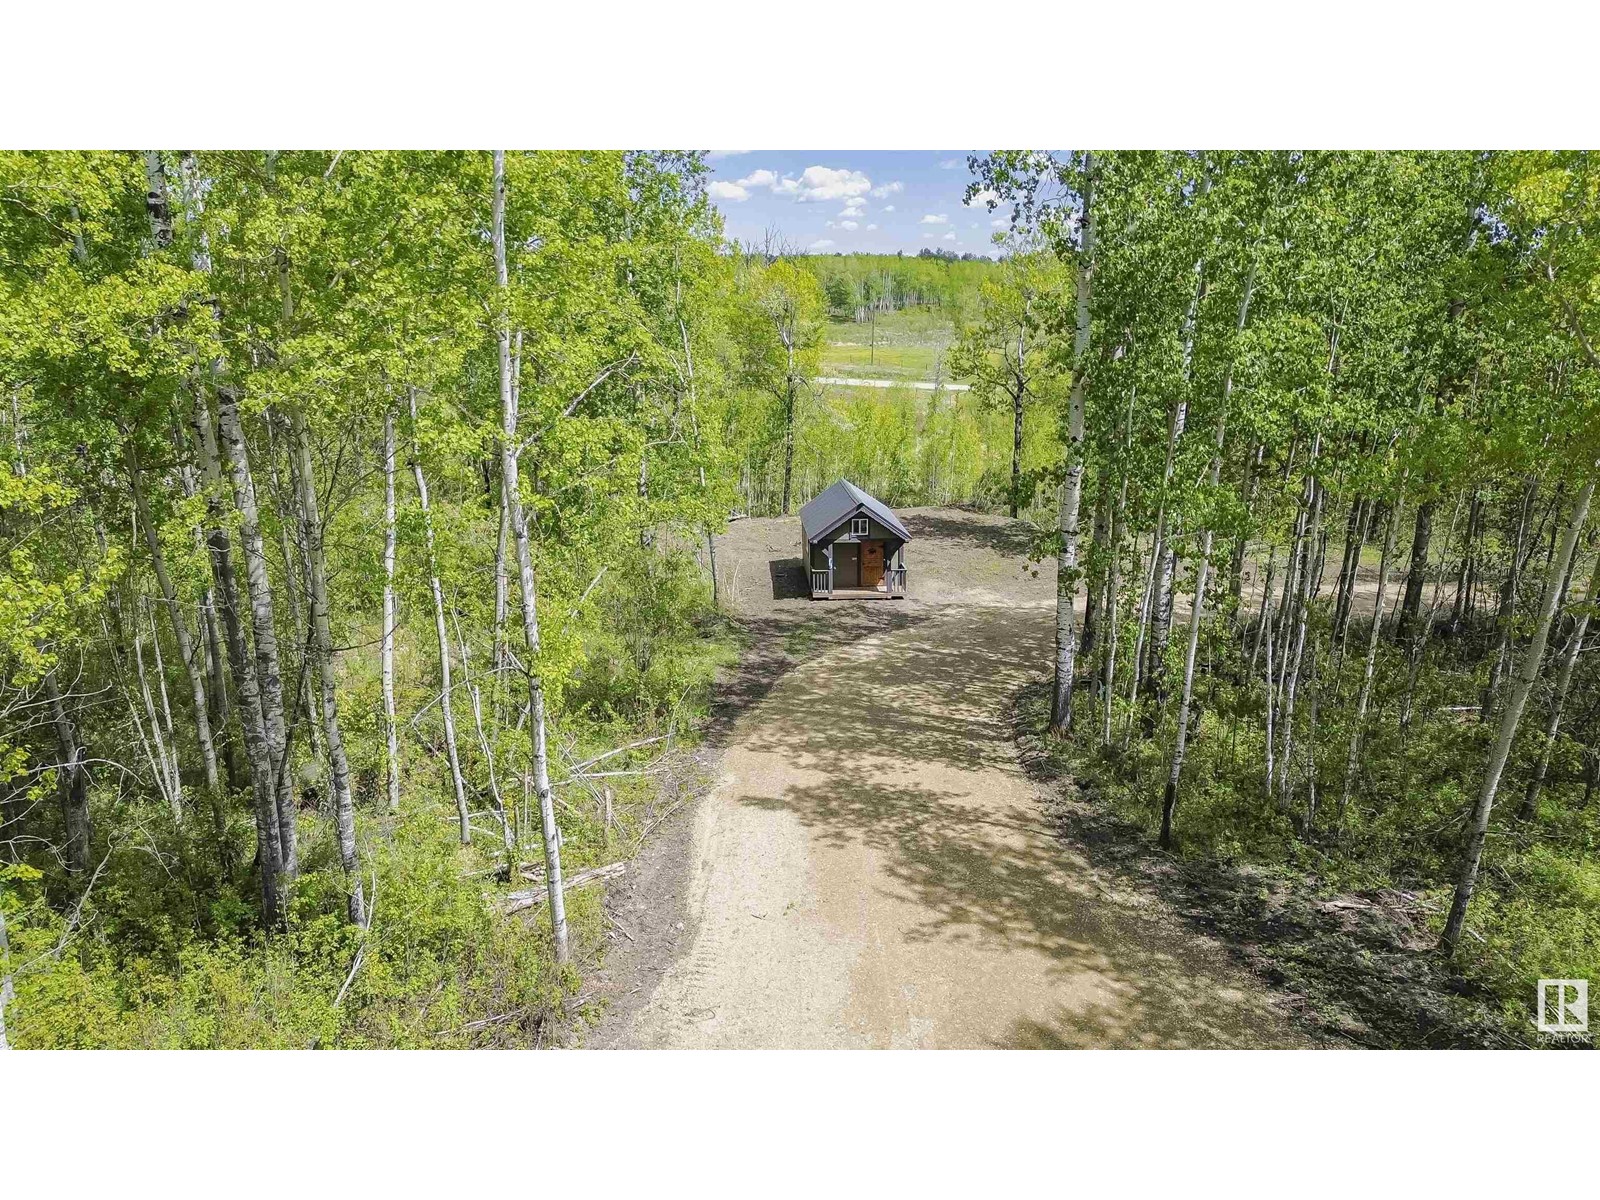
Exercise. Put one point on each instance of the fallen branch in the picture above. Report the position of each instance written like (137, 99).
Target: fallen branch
(515, 902)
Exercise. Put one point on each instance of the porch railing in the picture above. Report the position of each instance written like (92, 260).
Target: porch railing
(894, 581)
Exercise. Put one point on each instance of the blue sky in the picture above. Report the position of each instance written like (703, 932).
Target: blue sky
(876, 201)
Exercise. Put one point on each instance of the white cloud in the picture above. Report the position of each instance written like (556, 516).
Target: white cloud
(887, 189)
(888, 208)
(820, 244)
(935, 219)
(854, 207)
(949, 237)
(847, 224)
(721, 189)
(815, 183)
(716, 155)
(952, 164)
(983, 198)
(1000, 223)
(870, 228)
(762, 178)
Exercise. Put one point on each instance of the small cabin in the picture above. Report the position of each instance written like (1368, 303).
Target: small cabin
(853, 546)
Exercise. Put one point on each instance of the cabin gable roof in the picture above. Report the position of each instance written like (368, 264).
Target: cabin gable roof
(838, 504)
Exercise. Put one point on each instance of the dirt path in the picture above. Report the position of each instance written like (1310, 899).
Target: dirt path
(875, 870)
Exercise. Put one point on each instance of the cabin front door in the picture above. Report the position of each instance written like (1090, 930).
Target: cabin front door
(871, 564)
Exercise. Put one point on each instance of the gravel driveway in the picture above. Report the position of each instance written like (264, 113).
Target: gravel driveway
(874, 869)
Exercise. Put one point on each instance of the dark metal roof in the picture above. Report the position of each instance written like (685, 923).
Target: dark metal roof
(844, 499)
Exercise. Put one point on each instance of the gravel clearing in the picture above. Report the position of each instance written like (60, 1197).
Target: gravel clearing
(875, 868)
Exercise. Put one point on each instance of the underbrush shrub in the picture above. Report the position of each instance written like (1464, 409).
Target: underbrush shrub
(437, 958)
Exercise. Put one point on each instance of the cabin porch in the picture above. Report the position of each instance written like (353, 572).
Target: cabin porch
(894, 586)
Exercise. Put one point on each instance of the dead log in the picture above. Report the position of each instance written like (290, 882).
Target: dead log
(515, 902)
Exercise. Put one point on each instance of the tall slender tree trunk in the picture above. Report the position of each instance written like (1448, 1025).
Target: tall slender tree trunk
(390, 616)
(1180, 745)
(1421, 536)
(1067, 572)
(550, 832)
(72, 778)
(1094, 601)
(163, 762)
(293, 554)
(1569, 660)
(1510, 715)
(1419, 642)
(1508, 601)
(1347, 561)
(1358, 723)
(446, 683)
(1113, 601)
(1466, 583)
(8, 991)
(1165, 552)
(174, 769)
(1271, 695)
(1236, 564)
(193, 664)
(1019, 390)
(344, 813)
(1136, 661)
(1302, 616)
(213, 640)
(252, 726)
(258, 586)
(789, 404)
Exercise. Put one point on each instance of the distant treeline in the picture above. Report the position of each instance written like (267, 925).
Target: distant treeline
(857, 283)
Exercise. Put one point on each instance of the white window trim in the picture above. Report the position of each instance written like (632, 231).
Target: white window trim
(860, 526)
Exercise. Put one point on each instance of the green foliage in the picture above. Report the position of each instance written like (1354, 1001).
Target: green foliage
(435, 960)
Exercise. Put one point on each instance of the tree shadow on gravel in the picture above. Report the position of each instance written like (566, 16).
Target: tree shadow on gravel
(1359, 968)
(982, 872)
(774, 644)
(979, 886)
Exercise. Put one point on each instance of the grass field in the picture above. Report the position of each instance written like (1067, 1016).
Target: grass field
(909, 345)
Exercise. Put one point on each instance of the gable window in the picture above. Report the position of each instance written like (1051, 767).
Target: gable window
(859, 526)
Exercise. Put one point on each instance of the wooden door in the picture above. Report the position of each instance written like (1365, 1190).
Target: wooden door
(871, 564)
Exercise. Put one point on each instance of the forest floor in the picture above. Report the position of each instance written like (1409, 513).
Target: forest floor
(1359, 967)
(877, 867)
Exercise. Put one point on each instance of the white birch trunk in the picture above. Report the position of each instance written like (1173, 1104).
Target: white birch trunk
(193, 666)
(7, 990)
(322, 649)
(390, 726)
(1180, 744)
(162, 763)
(1510, 715)
(1569, 660)
(1072, 487)
(1165, 555)
(549, 831)
(1365, 694)
(258, 586)
(240, 662)
(446, 683)
(173, 768)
